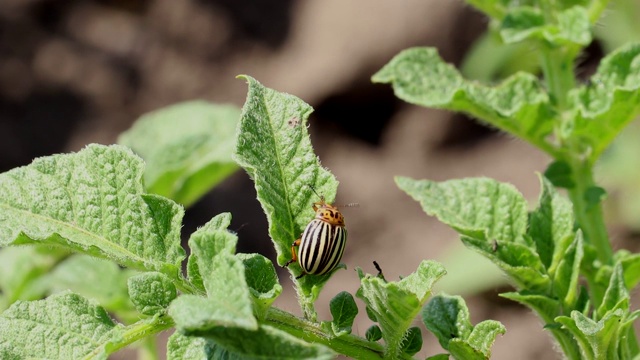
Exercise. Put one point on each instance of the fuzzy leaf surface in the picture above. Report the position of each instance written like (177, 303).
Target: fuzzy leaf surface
(151, 292)
(344, 310)
(265, 343)
(609, 102)
(396, 304)
(550, 222)
(481, 208)
(519, 105)
(273, 146)
(92, 202)
(572, 26)
(262, 280)
(187, 148)
(63, 326)
(180, 347)
(211, 239)
(448, 318)
(228, 299)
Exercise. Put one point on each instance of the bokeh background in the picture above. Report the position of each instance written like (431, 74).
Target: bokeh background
(78, 72)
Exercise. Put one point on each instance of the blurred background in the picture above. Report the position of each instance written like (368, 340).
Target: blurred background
(79, 72)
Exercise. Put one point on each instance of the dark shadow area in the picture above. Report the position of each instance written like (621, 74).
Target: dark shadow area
(361, 111)
(264, 21)
(39, 126)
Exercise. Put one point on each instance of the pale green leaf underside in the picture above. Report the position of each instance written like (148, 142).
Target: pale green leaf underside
(519, 105)
(187, 148)
(610, 100)
(180, 347)
(396, 304)
(550, 222)
(64, 326)
(266, 343)
(572, 26)
(480, 208)
(92, 202)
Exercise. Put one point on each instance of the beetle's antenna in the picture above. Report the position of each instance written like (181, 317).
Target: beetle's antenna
(354, 204)
(315, 192)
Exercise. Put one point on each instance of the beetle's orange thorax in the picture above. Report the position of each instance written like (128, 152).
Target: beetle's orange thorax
(328, 213)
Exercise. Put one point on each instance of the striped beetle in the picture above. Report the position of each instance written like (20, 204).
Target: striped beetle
(322, 243)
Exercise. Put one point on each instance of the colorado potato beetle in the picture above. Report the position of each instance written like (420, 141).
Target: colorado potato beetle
(323, 241)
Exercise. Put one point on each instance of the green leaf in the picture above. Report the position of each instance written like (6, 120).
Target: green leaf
(519, 261)
(551, 222)
(447, 317)
(439, 357)
(23, 273)
(276, 152)
(565, 282)
(151, 292)
(93, 278)
(597, 340)
(373, 333)
(572, 26)
(616, 296)
(462, 350)
(594, 195)
(64, 326)
(344, 310)
(412, 342)
(484, 335)
(228, 302)
(560, 174)
(180, 347)
(480, 208)
(187, 148)
(212, 239)
(547, 308)
(265, 343)
(519, 105)
(631, 265)
(609, 102)
(262, 281)
(396, 304)
(92, 202)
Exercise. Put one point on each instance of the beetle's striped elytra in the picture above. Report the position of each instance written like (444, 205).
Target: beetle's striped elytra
(323, 241)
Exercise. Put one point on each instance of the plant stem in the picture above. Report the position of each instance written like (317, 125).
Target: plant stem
(557, 66)
(135, 332)
(588, 215)
(349, 345)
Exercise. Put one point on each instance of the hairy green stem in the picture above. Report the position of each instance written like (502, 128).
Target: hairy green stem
(349, 345)
(595, 9)
(137, 331)
(588, 215)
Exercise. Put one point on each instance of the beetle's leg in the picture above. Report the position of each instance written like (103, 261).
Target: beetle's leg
(301, 275)
(294, 256)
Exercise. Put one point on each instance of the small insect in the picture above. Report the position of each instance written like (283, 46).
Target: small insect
(323, 241)
(293, 122)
